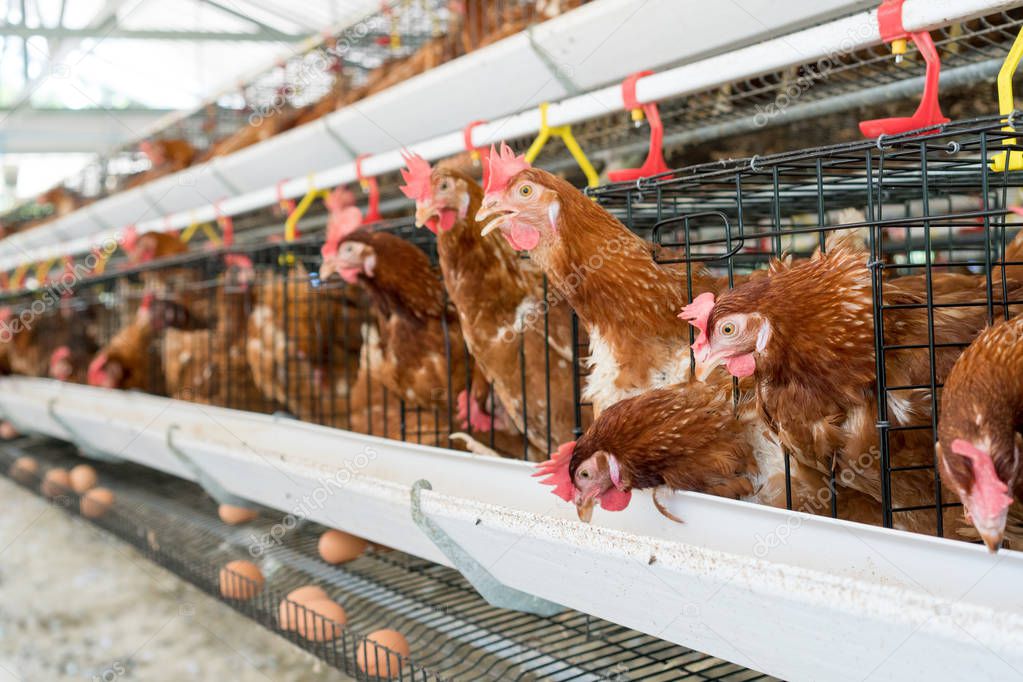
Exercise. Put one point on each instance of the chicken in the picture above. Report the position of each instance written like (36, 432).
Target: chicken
(62, 199)
(166, 157)
(422, 355)
(686, 438)
(76, 344)
(500, 302)
(627, 302)
(302, 346)
(210, 365)
(805, 333)
(979, 439)
(151, 246)
(129, 360)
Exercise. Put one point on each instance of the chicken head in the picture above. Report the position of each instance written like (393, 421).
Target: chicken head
(725, 335)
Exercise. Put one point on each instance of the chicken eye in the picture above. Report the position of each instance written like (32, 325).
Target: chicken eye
(526, 190)
(584, 474)
(728, 329)
(445, 186)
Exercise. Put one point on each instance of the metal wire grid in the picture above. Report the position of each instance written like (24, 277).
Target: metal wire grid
(212, 347)
(764, 97)
(454, 634)
(924, 205)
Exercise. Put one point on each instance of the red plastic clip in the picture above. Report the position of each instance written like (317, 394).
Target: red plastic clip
(226, 223)
(287, 205)
(130, 238)
(928, 114)
(654, 164)
(480, 155)
(369, 185)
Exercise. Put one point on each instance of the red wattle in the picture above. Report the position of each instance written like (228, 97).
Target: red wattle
(522, 237)
(741, 365)
(350, 275)
(615, 500)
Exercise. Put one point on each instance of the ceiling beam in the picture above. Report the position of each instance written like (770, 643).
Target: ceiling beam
(60, 33)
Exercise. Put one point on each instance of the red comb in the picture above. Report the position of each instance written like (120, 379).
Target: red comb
(989, 496)
(96, 376)
(130, 238)
(345, 218)
(61, 353)
(417, 177)
(147, 301)
(698, 315)
(238, 260)
(6, 313)
(556, 471)
(504, 167)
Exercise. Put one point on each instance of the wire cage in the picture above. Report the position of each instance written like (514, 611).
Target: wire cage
(452, 632)
(253, 327)
(926, 205)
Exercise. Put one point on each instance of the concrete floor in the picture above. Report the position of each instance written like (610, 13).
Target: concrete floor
(77, 604)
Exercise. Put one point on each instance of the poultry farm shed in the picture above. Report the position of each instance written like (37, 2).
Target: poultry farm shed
(763, 371)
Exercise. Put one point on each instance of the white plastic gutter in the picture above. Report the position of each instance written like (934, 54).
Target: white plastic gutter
(808, 45)
(798, 597)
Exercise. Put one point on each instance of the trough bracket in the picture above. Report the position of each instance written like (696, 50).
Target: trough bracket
(490, 588)
(84, 446)
(205, 481)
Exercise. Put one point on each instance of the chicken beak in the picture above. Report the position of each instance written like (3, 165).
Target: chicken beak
(585, 509)
(991, 530)
(706, 362)
(424, 212)
(493, 211)
(327, 268)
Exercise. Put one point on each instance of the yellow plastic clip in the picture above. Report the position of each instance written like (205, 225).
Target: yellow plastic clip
(1008, 160)
(102, 256)
(43, 269)
(18, 279)
(291, 223)
(207, 230)
(565, 133)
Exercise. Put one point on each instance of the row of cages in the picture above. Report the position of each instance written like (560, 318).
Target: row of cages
(401, 40)
(257, 328)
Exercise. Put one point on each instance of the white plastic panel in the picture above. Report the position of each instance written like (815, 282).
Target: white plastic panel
(800, 597)
(604, 42)
(292, 154)
(494, 81)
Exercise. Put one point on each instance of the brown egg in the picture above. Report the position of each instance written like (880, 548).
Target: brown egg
(337, 547)
(291, 606)
(83, 477)
(24, 469)
(56, 482)
(379, 662)
(321, 620)
(240, 579)
(96, 502)
(233, 516)
(7, 431)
